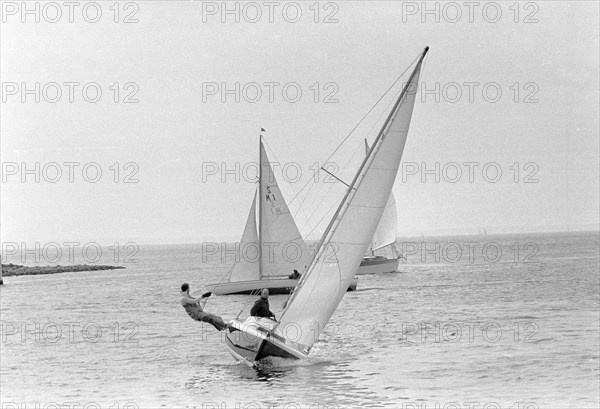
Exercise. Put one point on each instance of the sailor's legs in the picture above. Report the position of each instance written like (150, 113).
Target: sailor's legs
(213, 319)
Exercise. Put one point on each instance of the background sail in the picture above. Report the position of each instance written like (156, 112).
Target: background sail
(283, 249)
(323, 286)
(385, 234)
(386, 230)
(247, 268)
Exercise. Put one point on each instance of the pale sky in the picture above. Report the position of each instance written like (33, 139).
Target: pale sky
(176, 132)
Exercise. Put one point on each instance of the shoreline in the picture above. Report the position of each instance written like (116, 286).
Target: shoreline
(13, 270)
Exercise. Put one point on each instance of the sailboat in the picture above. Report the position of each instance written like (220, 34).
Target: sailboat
(267, 256)
(385, 236)
(340, 249)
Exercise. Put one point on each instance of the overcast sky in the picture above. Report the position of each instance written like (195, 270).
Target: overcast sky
(172, 143)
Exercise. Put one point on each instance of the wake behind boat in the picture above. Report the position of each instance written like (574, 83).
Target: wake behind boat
(340, 250)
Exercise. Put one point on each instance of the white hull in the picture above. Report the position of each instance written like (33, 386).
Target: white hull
(275, 286)
(378, 265)
(252, 340)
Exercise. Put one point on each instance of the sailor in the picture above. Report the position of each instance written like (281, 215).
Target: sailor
(295, 275)
(261, 306)
(194, 310)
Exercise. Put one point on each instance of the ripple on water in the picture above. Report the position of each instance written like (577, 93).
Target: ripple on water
(368, 354)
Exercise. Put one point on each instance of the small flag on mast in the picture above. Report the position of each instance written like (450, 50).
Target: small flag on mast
(262, 130)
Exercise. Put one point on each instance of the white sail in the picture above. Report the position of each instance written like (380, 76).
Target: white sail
(283, 249)
(385, 234)
(248, 262)
(343, 245)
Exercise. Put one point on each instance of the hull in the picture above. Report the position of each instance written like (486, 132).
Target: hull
(252, 340)
(378, 265)
(275, 286)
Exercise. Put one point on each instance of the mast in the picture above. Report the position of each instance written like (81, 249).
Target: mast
(276, 225)
(260, 199)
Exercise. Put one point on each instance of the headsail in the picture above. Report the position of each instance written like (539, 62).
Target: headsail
(343, 244)
(283, 249)
(247, 266)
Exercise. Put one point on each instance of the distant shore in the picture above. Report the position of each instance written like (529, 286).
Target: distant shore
(9, 270)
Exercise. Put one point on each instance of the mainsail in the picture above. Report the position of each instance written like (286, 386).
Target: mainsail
(343, 244)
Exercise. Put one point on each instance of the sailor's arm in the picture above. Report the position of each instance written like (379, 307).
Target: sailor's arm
(192, 300)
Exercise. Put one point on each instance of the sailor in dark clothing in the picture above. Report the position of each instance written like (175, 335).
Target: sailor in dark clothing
(261, 306)
(295, 275)
(194, 310)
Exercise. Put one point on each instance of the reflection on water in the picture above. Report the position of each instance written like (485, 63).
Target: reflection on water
(437, 332)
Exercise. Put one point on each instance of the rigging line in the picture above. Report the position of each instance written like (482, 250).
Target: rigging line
(377, 124)
(373, 126)
(301, 204)
(358, 179)
(296, 194)
(228, 274)
(322, 199)
(344, 141)
(292, 186)
(317, 208)
(374, 105)
(337, 202)
(355, 127)
(334, 176)
(301, 189)
(301, 207)
(245, 305)
(326, 195)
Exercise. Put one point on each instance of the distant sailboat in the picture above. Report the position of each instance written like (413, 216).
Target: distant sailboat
(340, 250)
(269, 254)
(385, 236)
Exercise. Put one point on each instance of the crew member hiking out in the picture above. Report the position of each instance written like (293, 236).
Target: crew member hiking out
(194, 310)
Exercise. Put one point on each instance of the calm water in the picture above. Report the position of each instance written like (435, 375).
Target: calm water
(519, 329)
